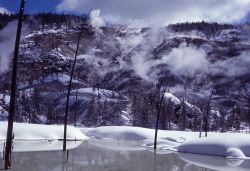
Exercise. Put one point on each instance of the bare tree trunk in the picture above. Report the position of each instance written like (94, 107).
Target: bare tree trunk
(99, 104)
(201, 125)
(184, 111)
(76, 104)
(156, 127)
(207, 113)
(158, 109)
(13, 90)
(169, 124)
(69, 89)
(248, 113)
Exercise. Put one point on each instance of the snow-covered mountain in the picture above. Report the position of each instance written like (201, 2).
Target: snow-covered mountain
(120, 69)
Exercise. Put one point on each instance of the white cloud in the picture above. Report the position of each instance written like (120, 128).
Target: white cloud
(161, 12)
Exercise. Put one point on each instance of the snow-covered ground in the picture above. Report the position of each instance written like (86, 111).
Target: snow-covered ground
(34, 137)
(230, 145)
(45, 137)
(33, 132)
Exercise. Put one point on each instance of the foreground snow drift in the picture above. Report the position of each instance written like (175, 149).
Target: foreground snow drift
(23, 131)
(230, 145)
(226, 145)
(215, 163)
(167, 140)
(137, 133)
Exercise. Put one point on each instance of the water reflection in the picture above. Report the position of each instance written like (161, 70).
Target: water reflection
(90, 156)
(216, 163)
(43, 145)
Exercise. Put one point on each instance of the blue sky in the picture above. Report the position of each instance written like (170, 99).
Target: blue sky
(32, 6)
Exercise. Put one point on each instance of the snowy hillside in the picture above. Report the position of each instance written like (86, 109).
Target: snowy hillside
(121, 70)
(36, 132)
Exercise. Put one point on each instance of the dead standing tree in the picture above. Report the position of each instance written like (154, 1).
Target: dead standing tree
(81, 29)
(205, 115)
(208, 108)
(69, 89)
(13, 90)
(76, 105)
(160, 99)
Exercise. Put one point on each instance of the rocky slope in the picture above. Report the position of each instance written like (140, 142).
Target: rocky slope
(120, 70)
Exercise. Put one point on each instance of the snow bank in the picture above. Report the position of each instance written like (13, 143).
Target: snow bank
(228, 145)
(137, 133)
(23, 131)
(119, 133)
(215, 163)
(167, 140)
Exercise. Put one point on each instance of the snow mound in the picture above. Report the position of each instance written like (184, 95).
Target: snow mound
(136, 133)
(220, 145)
(167, 140)
(214, 162)
(138, 138)
(217, 144)
(235, 153)
(119, 133)
(24, 131)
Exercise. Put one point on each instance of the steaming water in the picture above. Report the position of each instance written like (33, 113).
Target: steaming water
(90, 156)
